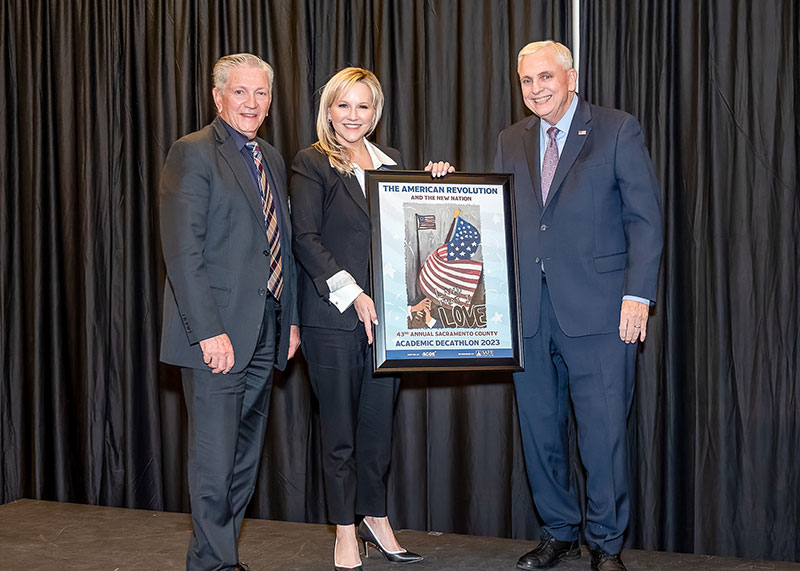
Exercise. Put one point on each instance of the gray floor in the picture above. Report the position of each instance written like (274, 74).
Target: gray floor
(36, 535)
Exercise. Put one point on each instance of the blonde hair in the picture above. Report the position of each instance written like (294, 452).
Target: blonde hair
(224, 65)
(563, 55)
(333, 90)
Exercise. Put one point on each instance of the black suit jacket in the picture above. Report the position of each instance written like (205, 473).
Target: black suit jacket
(599, 234)
(332, 233)
(215, 249)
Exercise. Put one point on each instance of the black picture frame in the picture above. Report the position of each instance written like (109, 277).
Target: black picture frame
(447, 328)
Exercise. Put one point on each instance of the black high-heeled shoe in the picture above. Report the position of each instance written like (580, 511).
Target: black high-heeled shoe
(339, 567)
(368, 537)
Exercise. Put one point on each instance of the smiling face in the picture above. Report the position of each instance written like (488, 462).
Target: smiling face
(547, 87)
(352, 114)
(245, 100)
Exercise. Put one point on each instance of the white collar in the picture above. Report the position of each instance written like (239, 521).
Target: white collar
(378, 156)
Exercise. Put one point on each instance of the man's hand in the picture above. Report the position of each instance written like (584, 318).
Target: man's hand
(218, 353)
(365, 308)
(294, 340)
(633, 321)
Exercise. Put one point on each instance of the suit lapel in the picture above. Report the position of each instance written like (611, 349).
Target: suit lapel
(530, 141)
(354, 189)
(233, 157)
(572, 147)
(352, 186)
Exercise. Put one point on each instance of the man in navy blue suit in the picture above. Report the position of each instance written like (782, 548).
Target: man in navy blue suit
(589, 224)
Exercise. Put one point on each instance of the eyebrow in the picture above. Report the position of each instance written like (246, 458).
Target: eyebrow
(545, 72)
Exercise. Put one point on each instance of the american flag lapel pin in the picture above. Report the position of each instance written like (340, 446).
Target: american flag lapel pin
(582, 132)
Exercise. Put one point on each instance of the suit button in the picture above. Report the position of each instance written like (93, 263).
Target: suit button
(266, 253)
(538, 260)
(543, 227)
(261, 291)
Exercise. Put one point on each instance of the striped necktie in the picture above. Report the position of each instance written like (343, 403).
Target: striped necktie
(275, 282)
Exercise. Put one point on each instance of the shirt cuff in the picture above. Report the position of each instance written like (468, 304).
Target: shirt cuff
(344, 290)
(639, 299)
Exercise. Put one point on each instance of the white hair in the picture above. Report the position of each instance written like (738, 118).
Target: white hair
(225, 64)
(563, 55)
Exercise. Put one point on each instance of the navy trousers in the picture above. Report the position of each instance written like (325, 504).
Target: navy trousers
(596, 374)
(227, 422)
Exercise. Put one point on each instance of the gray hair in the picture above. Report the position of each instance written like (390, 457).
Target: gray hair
(563, 55)
(225, 64)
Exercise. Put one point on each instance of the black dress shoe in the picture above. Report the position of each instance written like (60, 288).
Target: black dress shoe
(242, 566)
(368, 538)
(549, 552)
(602, 561)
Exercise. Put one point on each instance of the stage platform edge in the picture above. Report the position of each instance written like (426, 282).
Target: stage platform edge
(39, 535)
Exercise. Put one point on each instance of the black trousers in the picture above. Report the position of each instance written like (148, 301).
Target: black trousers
(356, 410)
(227, 422)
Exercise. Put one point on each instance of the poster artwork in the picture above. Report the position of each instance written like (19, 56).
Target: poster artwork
(444, 266)
(446, 292)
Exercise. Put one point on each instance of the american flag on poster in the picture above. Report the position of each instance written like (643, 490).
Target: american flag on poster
(426, 222)
(450, 275)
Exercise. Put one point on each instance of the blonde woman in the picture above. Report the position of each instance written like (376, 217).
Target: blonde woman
(331, 227)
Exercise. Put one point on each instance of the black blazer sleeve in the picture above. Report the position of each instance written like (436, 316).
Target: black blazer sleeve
(311, 198)
(184, 198)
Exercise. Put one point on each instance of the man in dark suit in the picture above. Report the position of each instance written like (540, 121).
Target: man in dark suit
(589, 213)
(230, 314)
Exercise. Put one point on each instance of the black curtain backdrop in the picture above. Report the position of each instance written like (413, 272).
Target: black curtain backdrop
(93, 95)
(715, 429)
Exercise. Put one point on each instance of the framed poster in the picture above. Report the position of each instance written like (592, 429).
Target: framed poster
(444, 271)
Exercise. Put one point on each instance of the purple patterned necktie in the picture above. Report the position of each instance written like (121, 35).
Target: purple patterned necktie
(275, 281)
(549, 163)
